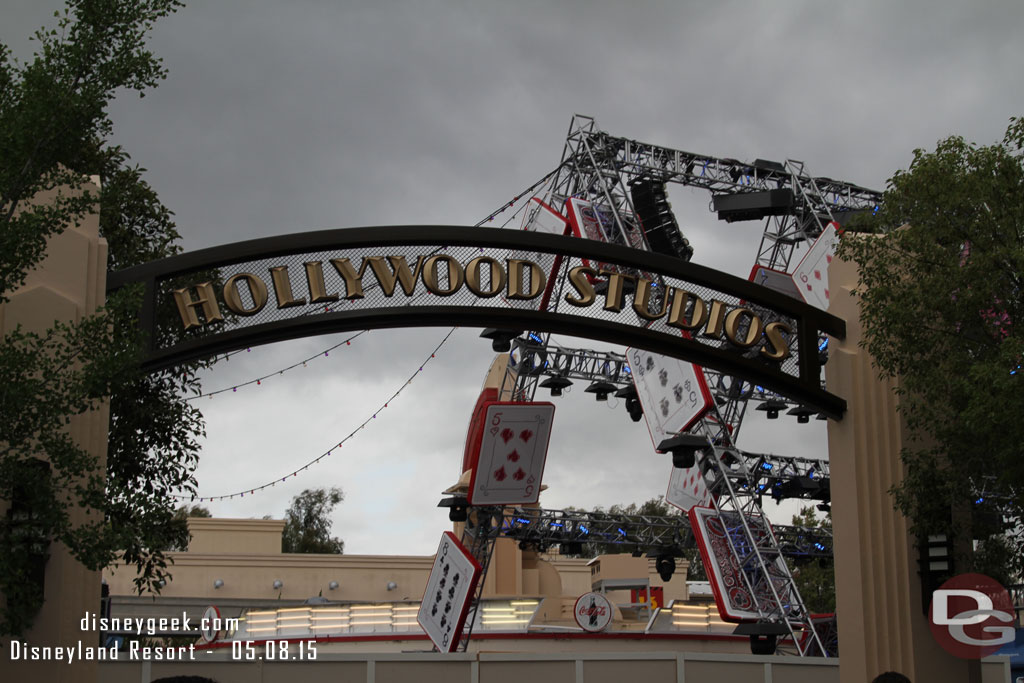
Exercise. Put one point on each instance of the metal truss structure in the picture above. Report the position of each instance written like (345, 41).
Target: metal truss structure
(652, 535)
(572, 531)
(796, 207)
(479, 533)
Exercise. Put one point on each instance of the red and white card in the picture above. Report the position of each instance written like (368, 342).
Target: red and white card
(449, 590)
(674, 394)
(513, 450)
(774, 280)
(686, 488)
(811, 275)
(540, 217)
(729, 582)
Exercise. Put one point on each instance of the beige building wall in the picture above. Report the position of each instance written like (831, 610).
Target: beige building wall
(245, 556)
(878, 592)
(68, 285)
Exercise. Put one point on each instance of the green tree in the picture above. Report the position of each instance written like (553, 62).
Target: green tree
(815, 579)
(655, 507)
(307, 523)
(941, 306)
(53, 131)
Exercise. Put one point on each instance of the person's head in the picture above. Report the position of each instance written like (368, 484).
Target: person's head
(890, 677)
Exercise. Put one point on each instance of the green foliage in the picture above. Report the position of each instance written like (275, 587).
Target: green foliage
(815, 580)
(655, 507)
(941, 306)
(53, 125)
(307, 523)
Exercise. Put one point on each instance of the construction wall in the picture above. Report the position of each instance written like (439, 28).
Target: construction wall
(656, 667)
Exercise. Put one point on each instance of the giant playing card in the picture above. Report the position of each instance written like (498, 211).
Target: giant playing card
(513, 451)
(674, 394)
(775, 280)
(540, 217)
(738, 586)
(811, 276)
(686, 488)
(449, 589)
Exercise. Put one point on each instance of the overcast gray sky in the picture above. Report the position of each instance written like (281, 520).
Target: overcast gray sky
(289, 117)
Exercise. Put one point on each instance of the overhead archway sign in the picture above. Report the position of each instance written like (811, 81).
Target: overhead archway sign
(234, 296)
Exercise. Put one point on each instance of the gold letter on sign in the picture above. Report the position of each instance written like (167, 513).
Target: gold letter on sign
(515, 279)
(615, 295)
(716, 320)
(642, 300)
(205, 299)
(432, 279)
(732, 327)
(399, 272)
(233, 297)
(775, 334)
(315, 280)
(677, 315)
(475, 283)
(283, 288)
(353, 280)
(578, 279)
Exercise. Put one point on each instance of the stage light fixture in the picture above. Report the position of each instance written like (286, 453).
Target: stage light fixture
(572, 548)
(600, 390)
(772, 406)
(278, 583)
(666, 567)
(333, 585)
(803, 414)
(392, 585)
(635, 409)
(501, 340)
(684, 449)
(458, 508)
(218, 583)
(556, 384)
(763, 635)
(626, 392)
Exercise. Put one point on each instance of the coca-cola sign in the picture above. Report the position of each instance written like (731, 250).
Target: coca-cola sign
(593, 612)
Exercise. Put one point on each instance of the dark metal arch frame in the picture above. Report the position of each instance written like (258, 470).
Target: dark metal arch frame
(806, 388)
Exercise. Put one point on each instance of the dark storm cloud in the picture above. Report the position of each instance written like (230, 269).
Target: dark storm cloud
(287, 117)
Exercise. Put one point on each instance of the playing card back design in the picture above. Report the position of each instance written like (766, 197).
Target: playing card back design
(596, 222)
(811, 274)
(729, 582)
(449, 591)
(509, 464)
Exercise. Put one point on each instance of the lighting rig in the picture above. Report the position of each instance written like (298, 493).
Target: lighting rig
(628, 178)
(652, 535)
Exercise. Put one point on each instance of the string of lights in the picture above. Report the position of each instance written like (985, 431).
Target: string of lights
(330, 451)
(325, 353)
(258, 381)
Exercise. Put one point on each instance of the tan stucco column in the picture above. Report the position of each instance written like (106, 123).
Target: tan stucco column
(68, 285)
(878, 592)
